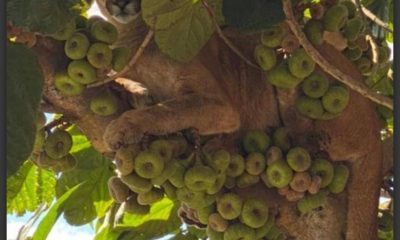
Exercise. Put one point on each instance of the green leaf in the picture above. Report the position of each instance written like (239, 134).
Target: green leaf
(28, 188)
(45, 16)
(106, 231)
(52, 215)
(161, 220)
(24, 92)
(182, 27)
(93, 199)
(253, 14)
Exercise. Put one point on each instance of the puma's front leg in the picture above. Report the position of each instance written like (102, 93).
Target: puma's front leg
(208, 114)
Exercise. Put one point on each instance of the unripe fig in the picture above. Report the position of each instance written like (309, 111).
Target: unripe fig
(124, 159)
(103, 31)
(236, 166)
(311, 202)
(76, 46)
(150, 197)
(341, 175)
(204, 213)
(300, 64)
(65, 32)
(217, 185)
(256, 141)
(44, 161)
(230, 182)
(120, 58)
(220, 160)
(136, 183)
(315, 85)
(272, 37)
(104, 104)
(133, 207)
(336, 99)
(177, 179)
(335, 18)
(280, 138)
(310, 107)
(262, 231)
(279, 174)
(254, 213)
(353, 54)
(314, 32)
(217, 222)
(353, 28)
(148, 164)
(246, 180)
(298, 159)
(255, 163)
(351, 8)
(324, 169)
(280, 76)
(169, 170)
(118, 190)
(99, 55)
(169, 190)
(163, 148)
(214, 235)
(58, 144)
(66, 85)
(265, 57)
(229, 206)
(199, 178)
(239, 231)
(317, 11)
(82, 72)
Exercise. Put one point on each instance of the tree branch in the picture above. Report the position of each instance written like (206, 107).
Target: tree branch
(355, 85)
(367, 13)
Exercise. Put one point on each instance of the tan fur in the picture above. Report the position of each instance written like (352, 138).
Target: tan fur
(218, 93)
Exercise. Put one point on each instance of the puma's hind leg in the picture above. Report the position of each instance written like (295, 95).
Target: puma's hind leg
(207, 114)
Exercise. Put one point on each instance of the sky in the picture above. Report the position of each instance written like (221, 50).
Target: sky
(61, 230)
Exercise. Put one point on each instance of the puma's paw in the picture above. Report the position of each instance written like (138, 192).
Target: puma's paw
(118, 134)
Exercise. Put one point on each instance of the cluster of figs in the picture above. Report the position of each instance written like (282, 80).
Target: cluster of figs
(288, 65)
(91, 55)
(209, 182)
(51, 148)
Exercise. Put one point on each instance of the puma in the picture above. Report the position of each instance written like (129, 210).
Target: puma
(218, 93)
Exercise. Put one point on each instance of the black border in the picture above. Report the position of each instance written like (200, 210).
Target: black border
(396, 82)
(3, 168)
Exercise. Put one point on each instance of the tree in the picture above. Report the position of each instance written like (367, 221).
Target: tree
(205, 43)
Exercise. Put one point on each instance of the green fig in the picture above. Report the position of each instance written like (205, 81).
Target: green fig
(301, 182)
(133, 207)
(217, 222)
(148, 165)
(239, 231)
(279, 174)
(229, 205)
(118, 190)
(265, 57)
(336, 99)
(324, 169)
(246, 180)
(104, 104)
(99, 55)
(82, 72)
(136, 183)
(104, 31)
(58, 144)
(254, 213)
(300, 64)
(298, 159)
(309, 107)
(335, 18)
(340, 177)
(311, 202)
(66, 85)
(315, 85)
(280, 139)
(256, 141)
(163, 148)
(236, 166)
(314, 32)
(353, 28)
(272, 37)
(120, 58)
(76, 46)
(199, 178)
(65, 32)
(255, 163)
(150, 197)
(280, 76)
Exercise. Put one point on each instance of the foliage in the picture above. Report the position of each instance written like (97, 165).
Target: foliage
(24, 91)
(182, 28)
(45, 16)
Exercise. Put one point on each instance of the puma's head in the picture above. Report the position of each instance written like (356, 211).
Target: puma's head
(122, 11)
